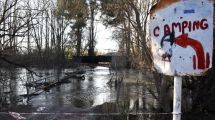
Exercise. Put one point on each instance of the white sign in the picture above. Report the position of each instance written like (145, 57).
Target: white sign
(182, 37)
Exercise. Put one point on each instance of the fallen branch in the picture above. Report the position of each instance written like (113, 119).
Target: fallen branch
(20, 65)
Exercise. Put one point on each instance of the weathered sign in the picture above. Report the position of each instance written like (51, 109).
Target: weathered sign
(181, 33)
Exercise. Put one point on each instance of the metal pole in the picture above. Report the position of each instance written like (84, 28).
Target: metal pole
(177, 98)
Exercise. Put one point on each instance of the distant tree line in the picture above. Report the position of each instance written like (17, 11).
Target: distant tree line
(31, 29)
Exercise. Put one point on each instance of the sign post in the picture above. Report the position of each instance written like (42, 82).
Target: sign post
(177, 98)
(181, 33)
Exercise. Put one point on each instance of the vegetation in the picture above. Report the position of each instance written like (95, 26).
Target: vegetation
(45, 30)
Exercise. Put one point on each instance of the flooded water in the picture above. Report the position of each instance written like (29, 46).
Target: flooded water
(96, 97)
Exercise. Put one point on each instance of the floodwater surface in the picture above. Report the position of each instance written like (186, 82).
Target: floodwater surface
(102, 94)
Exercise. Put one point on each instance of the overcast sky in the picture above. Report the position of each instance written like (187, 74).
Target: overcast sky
(104, 39)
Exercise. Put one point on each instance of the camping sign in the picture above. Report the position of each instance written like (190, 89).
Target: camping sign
(181, 34)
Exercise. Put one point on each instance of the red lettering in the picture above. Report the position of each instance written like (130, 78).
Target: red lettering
(156, 30)
(184, 25)
(190, 26)
(203, 24)
(175, 25)
(166, 29)
(196, 25)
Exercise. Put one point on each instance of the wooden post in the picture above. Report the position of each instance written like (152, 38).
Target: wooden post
(177, 98)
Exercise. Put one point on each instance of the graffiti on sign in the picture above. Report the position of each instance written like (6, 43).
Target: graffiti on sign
(181, 35)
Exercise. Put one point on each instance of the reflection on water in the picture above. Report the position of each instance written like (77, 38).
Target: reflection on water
(78, 95)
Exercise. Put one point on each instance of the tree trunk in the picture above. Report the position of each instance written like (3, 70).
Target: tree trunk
(92, 35)
(79, 35)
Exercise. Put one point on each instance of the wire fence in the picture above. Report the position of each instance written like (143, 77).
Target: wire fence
(101, 116)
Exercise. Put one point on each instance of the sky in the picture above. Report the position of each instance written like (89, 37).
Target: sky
(104, 39)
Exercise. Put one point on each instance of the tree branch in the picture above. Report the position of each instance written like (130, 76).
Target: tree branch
(19, 65)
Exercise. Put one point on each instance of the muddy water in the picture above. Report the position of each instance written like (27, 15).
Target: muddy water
(95, 97)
